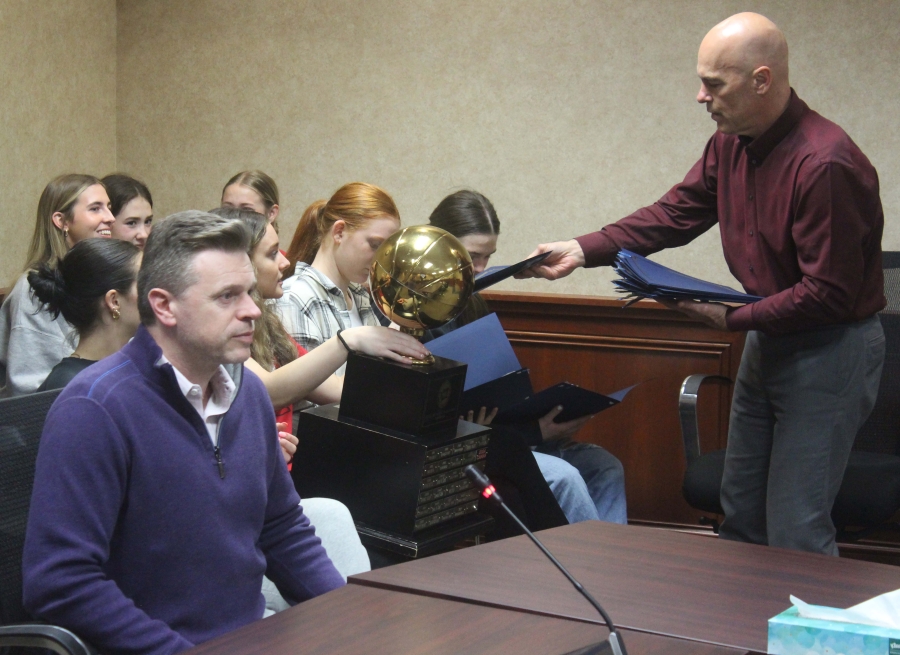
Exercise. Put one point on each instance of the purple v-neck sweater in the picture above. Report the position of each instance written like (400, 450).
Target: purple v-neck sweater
(135, 541)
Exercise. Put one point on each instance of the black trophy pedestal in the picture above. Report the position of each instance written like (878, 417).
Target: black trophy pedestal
(411, 399)
(407, 493)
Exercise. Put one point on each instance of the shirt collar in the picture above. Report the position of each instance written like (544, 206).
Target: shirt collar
(321, 278)
(223, 388)
(357, 290)
(760, 147)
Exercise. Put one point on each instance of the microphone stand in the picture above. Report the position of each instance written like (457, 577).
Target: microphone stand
(614, 644)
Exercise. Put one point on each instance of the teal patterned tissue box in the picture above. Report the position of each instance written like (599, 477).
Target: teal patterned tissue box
(791, 634)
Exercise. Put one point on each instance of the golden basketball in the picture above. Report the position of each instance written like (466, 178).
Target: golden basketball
(422, 278)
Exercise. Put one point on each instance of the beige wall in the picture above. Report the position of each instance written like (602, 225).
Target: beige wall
(566, 114)
(57, 106)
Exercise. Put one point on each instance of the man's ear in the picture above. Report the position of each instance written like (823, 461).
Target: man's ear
(164, 306)
(762, 80)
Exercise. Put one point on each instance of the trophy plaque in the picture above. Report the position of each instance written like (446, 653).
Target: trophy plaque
(393, 450)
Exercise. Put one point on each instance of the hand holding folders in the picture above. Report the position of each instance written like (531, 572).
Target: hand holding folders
(642, 278)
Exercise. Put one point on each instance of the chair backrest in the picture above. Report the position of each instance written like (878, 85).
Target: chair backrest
(21, 424)
(881, 432)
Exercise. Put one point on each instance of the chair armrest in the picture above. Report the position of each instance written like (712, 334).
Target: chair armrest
(41, 635)
(687, 412)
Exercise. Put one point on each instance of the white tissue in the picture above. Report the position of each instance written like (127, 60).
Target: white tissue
(882, 611)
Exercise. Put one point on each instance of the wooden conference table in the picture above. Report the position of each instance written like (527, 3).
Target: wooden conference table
(649, 580)
(671, 593)
(361, 620)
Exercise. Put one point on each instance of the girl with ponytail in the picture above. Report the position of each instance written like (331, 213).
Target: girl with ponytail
(94, 288)
(332, 250)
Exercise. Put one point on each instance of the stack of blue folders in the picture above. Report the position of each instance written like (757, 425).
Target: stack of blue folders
(641, 278)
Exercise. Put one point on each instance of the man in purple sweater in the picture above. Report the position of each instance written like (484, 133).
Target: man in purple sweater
(161, 496)
(798, 208)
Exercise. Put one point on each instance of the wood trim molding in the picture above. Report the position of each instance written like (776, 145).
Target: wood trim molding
(596, 343)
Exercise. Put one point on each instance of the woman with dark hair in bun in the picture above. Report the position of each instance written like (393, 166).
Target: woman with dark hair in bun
(132, 205)
(94, 287)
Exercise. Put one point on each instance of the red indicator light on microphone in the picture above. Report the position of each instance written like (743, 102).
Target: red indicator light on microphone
(488, 491)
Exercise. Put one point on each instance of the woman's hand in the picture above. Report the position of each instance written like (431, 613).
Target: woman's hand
(384, 342)
(553, 431)
(483, 417)
(287, 441)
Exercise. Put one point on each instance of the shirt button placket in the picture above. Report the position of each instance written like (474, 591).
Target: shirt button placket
(753, 225)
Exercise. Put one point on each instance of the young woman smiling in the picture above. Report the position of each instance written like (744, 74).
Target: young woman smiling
(333, 248)
(132, 205)
(72, 208)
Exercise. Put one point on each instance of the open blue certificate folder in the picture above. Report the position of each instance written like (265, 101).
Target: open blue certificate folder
(495, 274)
(642, 278)
(495, 378)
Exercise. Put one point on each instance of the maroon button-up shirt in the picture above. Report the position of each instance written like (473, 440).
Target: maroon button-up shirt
(800, 217)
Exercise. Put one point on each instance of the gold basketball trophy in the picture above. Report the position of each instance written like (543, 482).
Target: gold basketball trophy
(394, 449)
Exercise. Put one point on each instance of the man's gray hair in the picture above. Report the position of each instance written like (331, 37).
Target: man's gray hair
(171, 248)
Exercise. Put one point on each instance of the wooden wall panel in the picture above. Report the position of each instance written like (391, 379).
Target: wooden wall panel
(597, 344)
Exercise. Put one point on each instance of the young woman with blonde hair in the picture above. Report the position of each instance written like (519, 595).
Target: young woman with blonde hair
(72, 208)
(333, 248)
(253, 191)
(276, 358)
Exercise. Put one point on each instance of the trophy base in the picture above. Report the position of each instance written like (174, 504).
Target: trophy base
(398, 484)
(428, 542)
(412, 399)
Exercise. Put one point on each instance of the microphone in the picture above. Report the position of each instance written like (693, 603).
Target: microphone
(614, 644)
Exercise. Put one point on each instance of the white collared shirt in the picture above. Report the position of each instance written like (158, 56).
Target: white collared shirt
(219, 401)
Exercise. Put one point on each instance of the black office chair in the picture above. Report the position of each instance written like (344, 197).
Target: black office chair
(870, 491)
(21, 423)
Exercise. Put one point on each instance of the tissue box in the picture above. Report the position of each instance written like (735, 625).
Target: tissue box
(790, 634)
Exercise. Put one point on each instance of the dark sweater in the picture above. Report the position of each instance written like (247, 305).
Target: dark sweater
(63, 372)
(134, 541)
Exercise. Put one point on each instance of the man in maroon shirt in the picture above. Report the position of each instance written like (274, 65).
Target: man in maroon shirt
(800, 217)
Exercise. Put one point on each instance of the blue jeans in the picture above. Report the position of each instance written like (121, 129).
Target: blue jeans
(568, 488)
(602, 474)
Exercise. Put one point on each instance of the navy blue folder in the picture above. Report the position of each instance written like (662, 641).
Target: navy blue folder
(495, 274)
(496, 379)
(642, 278)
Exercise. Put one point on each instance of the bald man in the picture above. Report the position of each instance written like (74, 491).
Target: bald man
(798, 208)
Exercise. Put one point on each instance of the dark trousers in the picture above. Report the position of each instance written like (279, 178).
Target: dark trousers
(799, 401)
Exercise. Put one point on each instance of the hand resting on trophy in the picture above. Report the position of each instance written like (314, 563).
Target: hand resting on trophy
(384, 342)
